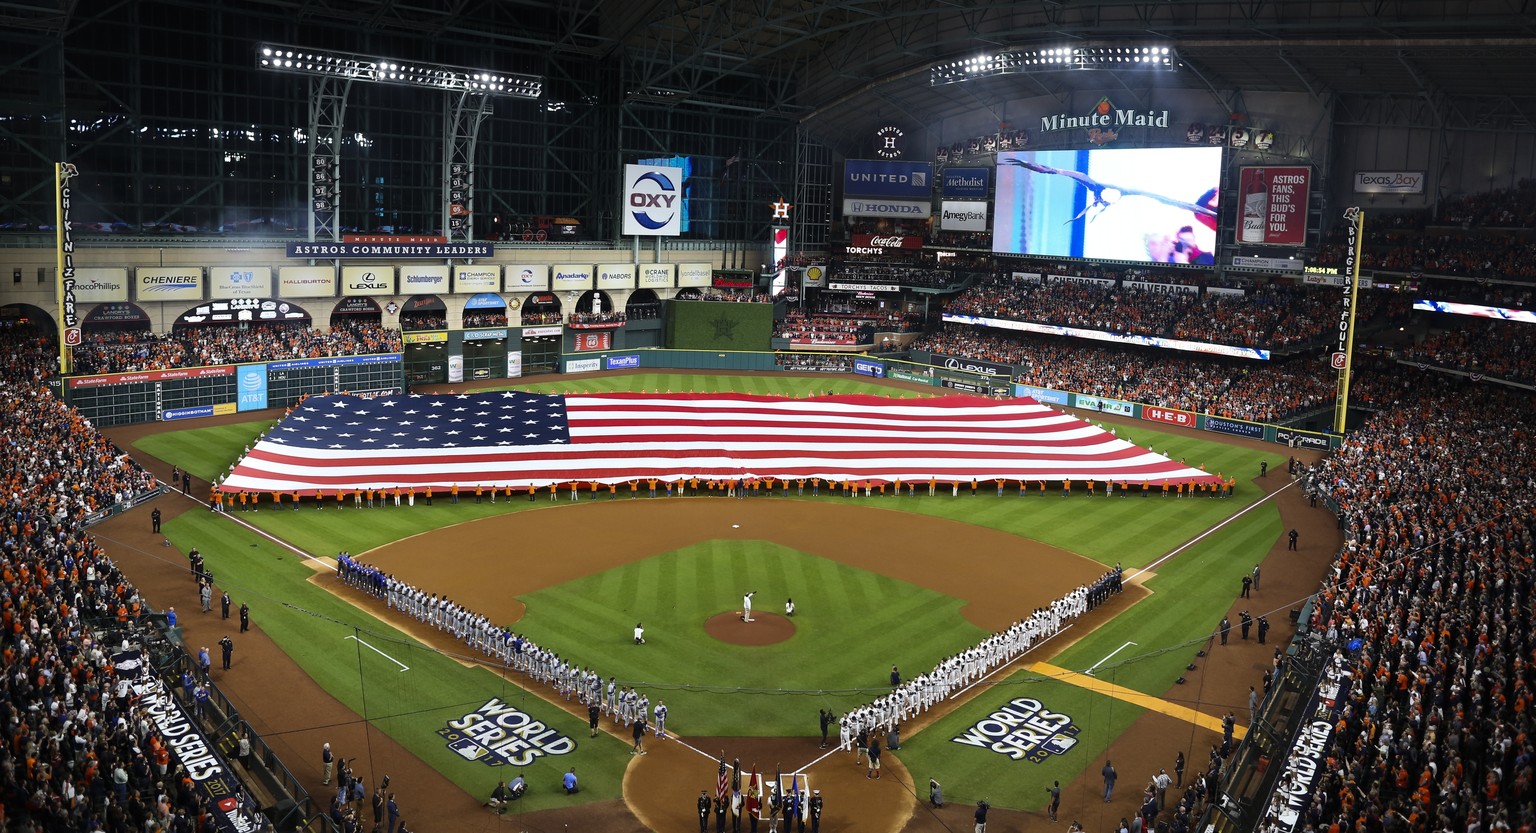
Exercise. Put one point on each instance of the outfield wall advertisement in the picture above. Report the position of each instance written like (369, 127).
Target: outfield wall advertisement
(1045, 395)
(230, 282)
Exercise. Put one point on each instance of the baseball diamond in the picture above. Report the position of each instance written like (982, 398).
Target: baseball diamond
(852, 565)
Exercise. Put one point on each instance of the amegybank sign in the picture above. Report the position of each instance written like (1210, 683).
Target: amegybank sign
(963, 215)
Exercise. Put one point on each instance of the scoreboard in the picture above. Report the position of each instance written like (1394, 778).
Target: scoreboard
(183, 393)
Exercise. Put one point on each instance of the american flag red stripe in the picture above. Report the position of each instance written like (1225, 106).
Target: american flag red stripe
(517, 439)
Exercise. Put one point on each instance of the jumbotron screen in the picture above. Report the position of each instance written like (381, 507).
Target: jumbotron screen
(1156, 205)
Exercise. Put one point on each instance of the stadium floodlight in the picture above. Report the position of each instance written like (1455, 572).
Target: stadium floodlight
(294, 59)
(1142, 57)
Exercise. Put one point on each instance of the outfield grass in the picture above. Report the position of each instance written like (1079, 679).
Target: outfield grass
(851, 626)
(589, 620)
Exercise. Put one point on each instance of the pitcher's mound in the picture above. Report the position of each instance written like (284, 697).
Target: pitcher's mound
(764, 629)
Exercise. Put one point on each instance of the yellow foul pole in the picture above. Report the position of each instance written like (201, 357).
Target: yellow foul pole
(1344, 356)
(64, 266)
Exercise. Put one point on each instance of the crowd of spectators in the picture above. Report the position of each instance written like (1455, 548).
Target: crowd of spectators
(81, 751)
(1475, 253)
(212, 344)
(1268, 316)
(123, 351)
(485, 318)
(1500, 208)
(423, 321)
(1497, 349)
(1489, 237)
(801, 328)
(1235, 388)
(540, 317)
(727, 295)
(616, 317)
(965, 239)
(889, 274)
(814, 362)
(1132, 309)
(1435, 582)
(643, 310)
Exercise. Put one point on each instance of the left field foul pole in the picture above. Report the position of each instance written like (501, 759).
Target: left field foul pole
(64, 267)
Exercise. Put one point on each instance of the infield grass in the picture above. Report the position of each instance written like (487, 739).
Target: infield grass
(851, 625)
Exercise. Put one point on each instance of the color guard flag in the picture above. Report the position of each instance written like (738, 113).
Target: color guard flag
(517, 439)
(723, 783)
(754, 790)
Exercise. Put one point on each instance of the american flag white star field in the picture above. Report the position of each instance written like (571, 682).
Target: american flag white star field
(516, 439)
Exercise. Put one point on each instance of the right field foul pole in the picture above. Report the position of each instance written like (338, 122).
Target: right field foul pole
(1343, 357)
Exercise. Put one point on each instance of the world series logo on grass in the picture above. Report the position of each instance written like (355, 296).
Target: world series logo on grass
(1023, 730)
(497, 734)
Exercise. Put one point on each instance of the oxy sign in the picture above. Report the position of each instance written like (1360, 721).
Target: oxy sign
(652, 201)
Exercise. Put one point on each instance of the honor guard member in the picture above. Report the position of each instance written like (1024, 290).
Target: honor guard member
(721, 809)
(704, 808)
(816, 811)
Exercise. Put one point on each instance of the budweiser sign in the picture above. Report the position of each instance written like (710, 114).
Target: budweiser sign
(886, 241)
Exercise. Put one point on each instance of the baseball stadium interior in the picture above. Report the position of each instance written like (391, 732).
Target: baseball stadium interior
(1302, 230)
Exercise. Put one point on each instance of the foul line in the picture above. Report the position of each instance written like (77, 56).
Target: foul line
(1136, 698)
(364, 643)
(263, 533)
(688, 745)
(1090, 671)
(1202, 536)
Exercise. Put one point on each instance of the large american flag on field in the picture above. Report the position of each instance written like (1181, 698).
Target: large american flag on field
(516, 439)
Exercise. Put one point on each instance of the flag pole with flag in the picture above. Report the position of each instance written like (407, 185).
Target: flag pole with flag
(753, 794)
(795, 804)
(736, 774)
(723, 781)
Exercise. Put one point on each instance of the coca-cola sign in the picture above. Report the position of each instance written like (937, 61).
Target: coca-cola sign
(886, 241)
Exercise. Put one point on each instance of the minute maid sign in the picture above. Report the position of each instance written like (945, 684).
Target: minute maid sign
(1023, 730)
(498, 734)
(1103, 122)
